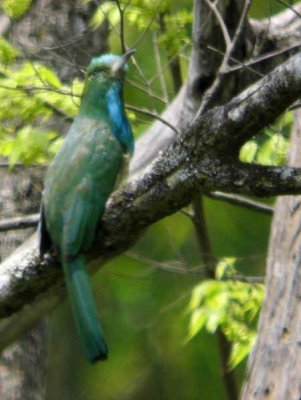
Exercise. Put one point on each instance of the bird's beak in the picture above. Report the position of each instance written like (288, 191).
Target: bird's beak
(117, 66)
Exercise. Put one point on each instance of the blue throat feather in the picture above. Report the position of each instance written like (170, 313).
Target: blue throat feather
(121, 127)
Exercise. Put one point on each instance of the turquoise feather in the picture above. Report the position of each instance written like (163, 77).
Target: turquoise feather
(78, 183)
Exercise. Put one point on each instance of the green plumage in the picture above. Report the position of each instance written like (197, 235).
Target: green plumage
(77, 186)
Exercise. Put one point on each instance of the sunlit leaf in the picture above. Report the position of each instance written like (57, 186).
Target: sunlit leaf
(29, 146)
(228, 305)
(7, 52)
(15, 8)
(225, 268)
(248, 151)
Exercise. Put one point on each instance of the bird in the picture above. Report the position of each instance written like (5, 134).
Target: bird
(78, 182)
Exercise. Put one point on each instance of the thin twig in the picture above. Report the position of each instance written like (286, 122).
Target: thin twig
(39, 88)
(173, 266)
(141, 73)
(247, 279)
(142, 89)
(121, 32)
(27, 221)
(290, 7)
(174, 61)
(8, 165)
(170, 60)
(147, 29)
(240, 64)
(230, 47)
(261, 58)
(221, 22)
(159, 68)
(242, 201)
(154, 115)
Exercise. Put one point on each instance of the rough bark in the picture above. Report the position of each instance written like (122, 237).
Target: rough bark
(275, 365)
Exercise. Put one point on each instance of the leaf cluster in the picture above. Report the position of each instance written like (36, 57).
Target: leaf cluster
(173, 26)
(15, 8)
(229, 305)
(30, 94)
(270, 148)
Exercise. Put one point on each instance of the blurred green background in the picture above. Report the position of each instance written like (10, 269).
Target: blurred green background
(143, 311)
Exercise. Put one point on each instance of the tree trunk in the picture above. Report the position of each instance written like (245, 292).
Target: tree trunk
(275, 364)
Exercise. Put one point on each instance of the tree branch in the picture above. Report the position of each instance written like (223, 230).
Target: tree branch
(27, 221)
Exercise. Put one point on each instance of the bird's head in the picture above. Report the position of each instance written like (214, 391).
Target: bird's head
(109, 66)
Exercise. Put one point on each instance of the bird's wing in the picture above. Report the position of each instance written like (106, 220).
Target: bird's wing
(81, 217)
(78, 183)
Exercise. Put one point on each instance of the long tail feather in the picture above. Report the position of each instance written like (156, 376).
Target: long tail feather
(84, 309)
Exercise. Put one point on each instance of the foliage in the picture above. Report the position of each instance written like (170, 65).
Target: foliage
(15, 8)
(271, 148)
(8, 53)
(155, 16)
(229, 305)
(29, 146)
(30, 94)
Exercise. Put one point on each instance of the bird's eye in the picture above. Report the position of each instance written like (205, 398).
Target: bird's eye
(95, 71)
(98, 70)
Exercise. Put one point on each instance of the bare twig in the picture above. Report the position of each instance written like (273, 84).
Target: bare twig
(247, 279)
(240, 64)
(144, 90)
(159, 69)
(39, 88)
(170, 60)
(173, 266)
(290, 7)
(147, 29)
(154, 115)
(230, 47)
(121, 32)
(263, 57)
(242, 201)
(224, 29)
(23, 222)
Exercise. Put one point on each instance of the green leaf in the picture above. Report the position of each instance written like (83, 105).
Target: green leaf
(229, 305)
(15, 8)
(248, 151)
(273, 151)
(7, 52)
(241, 350)
(225, 268)
(29, 146)
(107, 10)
